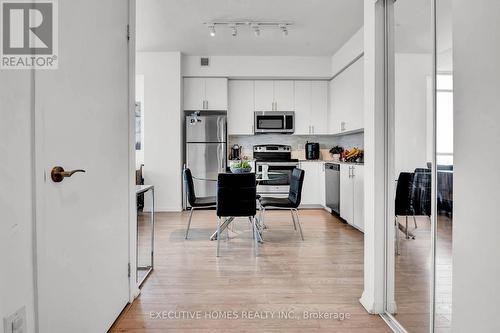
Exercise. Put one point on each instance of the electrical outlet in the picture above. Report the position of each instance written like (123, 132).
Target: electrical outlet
(16, 322)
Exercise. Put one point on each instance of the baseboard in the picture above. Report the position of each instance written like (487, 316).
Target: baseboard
(166, 209)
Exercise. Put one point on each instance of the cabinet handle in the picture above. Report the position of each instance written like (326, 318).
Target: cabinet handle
(206, 108)
(312, 129)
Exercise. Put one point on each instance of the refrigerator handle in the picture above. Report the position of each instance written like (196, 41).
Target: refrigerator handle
(220, 158)
(219, 129)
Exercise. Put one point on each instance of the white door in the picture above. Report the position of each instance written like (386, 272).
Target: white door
(216, 94)
(194, 93)
(82, 122)
(319, 107)
(264, 95)
(284, 95)
(322, 184)
(359, 197)
(310, 188)
(302, 107)
(346, 193)
(241, 107)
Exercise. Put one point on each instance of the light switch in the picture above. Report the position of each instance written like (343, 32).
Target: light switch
(16, 322)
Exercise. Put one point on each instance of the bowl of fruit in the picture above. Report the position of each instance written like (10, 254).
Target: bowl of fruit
(240, 167)
(353, 155)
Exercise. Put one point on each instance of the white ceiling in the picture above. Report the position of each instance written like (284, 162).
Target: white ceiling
(320, 27)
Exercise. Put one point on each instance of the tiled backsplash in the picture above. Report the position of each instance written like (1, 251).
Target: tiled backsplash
(297, 142)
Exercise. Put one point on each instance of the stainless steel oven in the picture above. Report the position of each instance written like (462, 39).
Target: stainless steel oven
(279, 186)
(274, 122)
(278, 159)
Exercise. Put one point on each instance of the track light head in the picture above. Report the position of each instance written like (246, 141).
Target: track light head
(256, 29)
(284, 29)
(234, 30)
(211, 30)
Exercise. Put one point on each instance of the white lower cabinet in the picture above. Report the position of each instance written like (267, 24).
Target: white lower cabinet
(352, 194)
(313, 182)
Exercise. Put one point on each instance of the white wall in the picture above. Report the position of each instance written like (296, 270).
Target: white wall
(259, 66)
(16, 223)
(139, 97)
(411, 73)
(476, 223)
(350, 50)
(162, 126)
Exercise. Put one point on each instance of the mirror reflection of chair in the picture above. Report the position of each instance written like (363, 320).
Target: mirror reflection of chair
(194, 201)
(413, 198)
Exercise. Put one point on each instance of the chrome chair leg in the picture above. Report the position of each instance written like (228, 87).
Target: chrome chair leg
(218, 235)
(415, 221)
(396, 228)
(406, 229)
(298, 223)
(293, 220)
(189, 222)
(255, 236)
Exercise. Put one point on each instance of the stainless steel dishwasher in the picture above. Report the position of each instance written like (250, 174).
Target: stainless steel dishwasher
(332, 181)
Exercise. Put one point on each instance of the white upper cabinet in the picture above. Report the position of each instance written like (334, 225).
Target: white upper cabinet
(311, 107)
(303, 107)
(194, 94)
(347, 100)
(264, 95)
(216, 93)
(319, 107)
(283, 96)
(274, 95)
(241, 107)
(205, 93)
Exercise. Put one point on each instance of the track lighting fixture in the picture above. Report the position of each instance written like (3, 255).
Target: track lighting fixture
(255, 26)
(234, 30)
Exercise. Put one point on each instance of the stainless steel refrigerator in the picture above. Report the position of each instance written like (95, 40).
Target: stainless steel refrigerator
(206, 148)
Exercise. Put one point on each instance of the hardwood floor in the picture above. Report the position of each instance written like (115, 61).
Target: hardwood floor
(324, 273)
(413, 269)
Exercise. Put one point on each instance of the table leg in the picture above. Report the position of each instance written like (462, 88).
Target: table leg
(223, 227)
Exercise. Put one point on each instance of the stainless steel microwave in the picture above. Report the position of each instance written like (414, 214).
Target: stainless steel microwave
(274, 122)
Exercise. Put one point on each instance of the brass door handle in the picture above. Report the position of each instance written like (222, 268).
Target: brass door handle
(58, 174)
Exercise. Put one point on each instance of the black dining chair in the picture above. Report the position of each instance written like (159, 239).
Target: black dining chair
(236, 195)
(292, 202)
(403, 203)
(194, 201)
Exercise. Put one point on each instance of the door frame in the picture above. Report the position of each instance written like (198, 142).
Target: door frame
(390, 306)
(37, 178)
(133, 286)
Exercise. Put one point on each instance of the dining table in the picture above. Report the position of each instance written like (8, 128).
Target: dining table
(259, 178)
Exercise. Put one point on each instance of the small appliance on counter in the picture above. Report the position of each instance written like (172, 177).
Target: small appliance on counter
(312, 150)
(235, 152)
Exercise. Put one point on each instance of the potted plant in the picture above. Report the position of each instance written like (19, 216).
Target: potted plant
(241, 167)
(335, 152)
